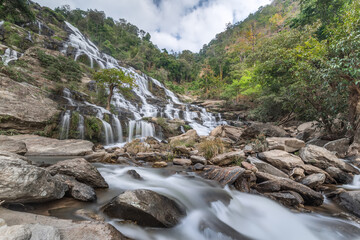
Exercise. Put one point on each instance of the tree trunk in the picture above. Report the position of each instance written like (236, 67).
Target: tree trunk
(111, 88)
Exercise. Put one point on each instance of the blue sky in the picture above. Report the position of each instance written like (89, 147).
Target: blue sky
(173, 24)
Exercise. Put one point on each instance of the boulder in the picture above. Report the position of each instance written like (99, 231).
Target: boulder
(267, 129)
(226, 131)
(189, 137)
(286, 144)
(146, 208)
(310, 169)
(351, 201)
(82, 170)
(22, 182)
(227, 158)
(182, 151)
(281, 159)
(150, 156)
(161, 164)
(249, 166)
(137, 146)
(198, 167)
(287, 198)
(42, 146)
(340, 147)
(102, 157)
(297, 173)
(78, 190)
(134, 174)
(198, 159)
(17, 232)
(340, 176)
(182, 162)
(266, 168)
(314, 180)
(9, 145)
(317, 142)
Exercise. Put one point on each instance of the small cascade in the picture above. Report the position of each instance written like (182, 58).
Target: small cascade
(118, 129)
(39, 26)
(132, 125)
(29, 37)
(9, 55)
(81, 127)
(65, 125)
(68, 96)
(140, 129)
(108, 133)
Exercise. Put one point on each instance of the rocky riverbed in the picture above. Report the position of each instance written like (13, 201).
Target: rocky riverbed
(236, 183)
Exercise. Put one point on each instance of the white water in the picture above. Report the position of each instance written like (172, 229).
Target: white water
(39, 26)
(355, 185)
(118, 129)
(9, 55)
(68, 96)
(65, 125)
(219, 214)
(81, 127)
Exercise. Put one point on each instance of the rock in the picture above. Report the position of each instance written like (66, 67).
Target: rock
(281, 159)
(275, 184)
(69, 230)
(249, 166)
(314, 180)
(78, 190)
(225, 176)
(310, 169)
(182, 162)
(146, 208)
(137, 146)
(134, 174)
(17, 232)
(150, 157)
(89, 215)
(190, 137)
(266, 168)
(307, 125)
(321, 158)
(9, 145)
(102, 157)
(198, 167)
(340, 176)
(287, 198)
(339, 146)
(227, 158)
(286, 144)
(297, 173)
(267, 129)
(317, 142)
(226, 131)
(198, 159)
(82, 170)
(351, 201)
(182, 151)
(42, 146)
(161, 164)
(42, 232)
(22, 182)
(308, 130)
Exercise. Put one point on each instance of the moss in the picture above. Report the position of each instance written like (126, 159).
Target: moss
(187, 128)
(57, 38)
(93, 128)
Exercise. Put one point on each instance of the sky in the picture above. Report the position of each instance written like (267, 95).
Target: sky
(173, 24)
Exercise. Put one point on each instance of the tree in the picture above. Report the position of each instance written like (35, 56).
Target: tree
(114, 78)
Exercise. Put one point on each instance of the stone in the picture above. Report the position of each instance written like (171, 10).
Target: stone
(182, 151)
(281, 159)
(69, 230)
(9, 145)
(182, 162)
(297, 173)
(43, 232)
(317, 142)
(146, 208)
(340, 176)
(286, 144)
(82, 170)
(307, 125)
(266, 168)
(267, 129)
(198, 167)
(17, 232)
(226, 131)
(161, 164)
(228, 158)
(150, 157)
(198, 159)
(78, 190)
(249, 166)
(102, 157)
(225, 176)
(287, 198)
(134, 174)
(23, 182)
(189, 137)
(314, 180)
(340, 147)
(351, 201)
(310, 169)
(137, 146)
(43, 146)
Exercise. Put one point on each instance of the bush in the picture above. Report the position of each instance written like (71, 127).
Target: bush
(211, 148)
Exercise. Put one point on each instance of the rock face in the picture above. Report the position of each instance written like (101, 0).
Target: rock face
(286, 144)
(82, 171)
(339, 146)
(351, 201)
(230, 132)
(263, 128)
(42, 146)
(266, 168)
(68, 229)
(22, 182)
(9, 145)
(146, 208)
(281, 159)
(227, 158)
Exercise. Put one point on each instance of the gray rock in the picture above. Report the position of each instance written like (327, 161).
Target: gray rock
(78, 190)
(199, 167)
(285, 144)
(22, 182)
(351, 201)
(82, 170)
(287, 198)
(339, 146)
(281, 159)
(340, 176)
(134, 174)
(228, 158)
(146, 208)
(182, 162)
(226, 131)
(9, 145)
(190, 136)
(267, 129)
(161, 164)
(225, 176)
(182, 151)
(17, 232)
(314, 180)
(198, 159)
(266, 168)
(42, 232)
(317, 142)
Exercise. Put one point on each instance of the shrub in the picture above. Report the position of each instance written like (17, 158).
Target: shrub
(211, 148)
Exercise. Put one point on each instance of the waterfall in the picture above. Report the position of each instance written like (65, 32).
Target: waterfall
(39, 26)
(65, 125)
(108, 133)
(118, 129)
(9, 55)
(132, 125)
(68, 96)
(81, 127)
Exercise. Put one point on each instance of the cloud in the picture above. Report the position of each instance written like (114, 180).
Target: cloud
(173, 24)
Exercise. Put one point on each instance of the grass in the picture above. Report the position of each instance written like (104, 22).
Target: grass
(211, 148)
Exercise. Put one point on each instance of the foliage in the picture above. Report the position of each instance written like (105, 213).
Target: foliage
(16, 11)
(93, 128)
(210, 148)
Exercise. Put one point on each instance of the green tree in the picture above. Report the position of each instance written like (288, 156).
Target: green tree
(114, 78)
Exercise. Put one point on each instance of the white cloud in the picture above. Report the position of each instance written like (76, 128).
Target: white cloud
(173, 24)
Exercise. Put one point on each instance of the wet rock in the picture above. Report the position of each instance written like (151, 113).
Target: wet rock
(287, 198)
(281, 159)
(267, 129)
(161, 164)
(198, 167)
(351, 201)
(228, 158)
(182, 162)
(308, 130)
(229, 132)
(134, 174)
(89, 215)
(339, 146)
(9, 145)
(198, 159)
(78, 190)
(340, 176)
(286, 144)
(266, 168)
(42, 146)
(146, 208)
(22, 182)
(82, 170)
(150, 157)
(314, 180)
(189, 137)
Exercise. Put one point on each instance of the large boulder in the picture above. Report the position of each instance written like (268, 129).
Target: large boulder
(23, 182)
(82, 170)
(42, 146)
(286, 144)
(281, 159)
(351, 201)
(266, 168)
(10, 145)
(190, 137)
(146, 208)
(226, 131)
(227, 158)
(267, 129)
(340, 146)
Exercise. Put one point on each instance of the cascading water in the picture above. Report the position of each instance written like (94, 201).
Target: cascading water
(118, 129)
(81, 127)
(65, 125)
(9, 55)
